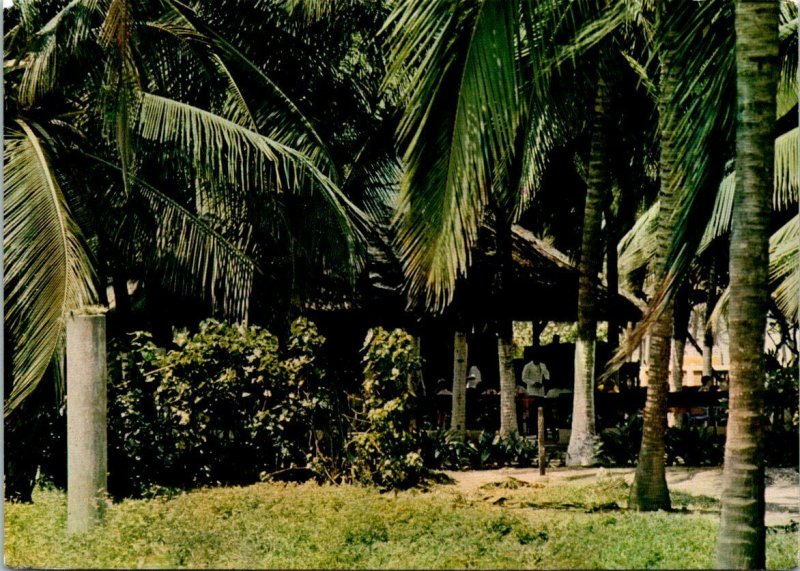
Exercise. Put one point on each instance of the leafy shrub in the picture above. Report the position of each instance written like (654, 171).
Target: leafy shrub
(450, 450)
(225, 406)
(782, 446)
(387, 450)
(35, 444)
(694, 446)
(619, 445)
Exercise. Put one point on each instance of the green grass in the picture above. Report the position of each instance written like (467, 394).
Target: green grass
(276, 525)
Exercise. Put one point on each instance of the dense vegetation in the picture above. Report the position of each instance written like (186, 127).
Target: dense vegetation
(276, 526)
(258, 161)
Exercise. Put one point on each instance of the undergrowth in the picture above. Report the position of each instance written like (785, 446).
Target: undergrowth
(312, 526)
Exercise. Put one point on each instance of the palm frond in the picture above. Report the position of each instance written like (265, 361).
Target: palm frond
(241, 158)
(56, 43)
(457, 66)
(784, 195)
(191, 256)
(784, 267)
(788, 86)
(48, 271)
(638, 246)
(285, 122)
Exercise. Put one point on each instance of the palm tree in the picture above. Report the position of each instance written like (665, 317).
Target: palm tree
(467, 83)
(742, 532)
(649, 490)
(581, 449)
(81, 141)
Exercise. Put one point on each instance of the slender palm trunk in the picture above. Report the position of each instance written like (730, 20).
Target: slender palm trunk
(505, 347)
(458, 418)
(708, 335)
(612, 281)
(649, 491)
(680, 331)
(581, 449)
(508, 385)
(741, 531)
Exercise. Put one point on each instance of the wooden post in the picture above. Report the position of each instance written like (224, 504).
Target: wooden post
(86, 421)
(540, 436)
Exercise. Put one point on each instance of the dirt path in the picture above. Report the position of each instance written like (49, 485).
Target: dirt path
(782, 493)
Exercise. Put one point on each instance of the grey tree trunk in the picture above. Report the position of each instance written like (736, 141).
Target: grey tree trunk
(649, 490)
(503, 326)
(708, 354)
(508, 384)
(581, 449)
(678, 352)
(86, 421)
(680, 331)
(708, 335)
(741, 532)
(458, 418)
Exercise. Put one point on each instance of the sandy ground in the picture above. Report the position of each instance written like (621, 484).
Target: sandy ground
(782, 493)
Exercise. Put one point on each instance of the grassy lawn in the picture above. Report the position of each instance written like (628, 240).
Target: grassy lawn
(274, 525)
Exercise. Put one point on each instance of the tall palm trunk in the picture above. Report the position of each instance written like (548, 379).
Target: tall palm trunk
(680, 331)
(508, 384)
(581, 449)
(649, 491)
(708, 335)
(505, 347)
(612, 278)
(458, 418)
(741, 531)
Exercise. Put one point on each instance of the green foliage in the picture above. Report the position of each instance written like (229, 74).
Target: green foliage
(450, 450)
(694, 446)
(387, 451)
(273, 525)
(619, 445)
(226, 406)
(784, 380)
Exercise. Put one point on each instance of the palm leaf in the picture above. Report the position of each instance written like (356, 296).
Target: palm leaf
(57, 42)
(191, 256)
(48, 271)
(241, 158)
(284, 122)
(784, 267)
(457, 67)
(638, 246)
(784, 195)
(784, 274)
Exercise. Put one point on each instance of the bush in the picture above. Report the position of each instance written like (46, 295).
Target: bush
(450, 450)
(387, 450)
(619, 445)
(226, 406)
(694, 446)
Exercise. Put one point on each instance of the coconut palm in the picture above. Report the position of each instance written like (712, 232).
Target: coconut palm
(152, 91)
(701, 117)
(461, 72)
(477, 133)
(742, 532)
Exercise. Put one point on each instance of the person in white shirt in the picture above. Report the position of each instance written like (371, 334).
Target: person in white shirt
(534, 374)
(474, 377)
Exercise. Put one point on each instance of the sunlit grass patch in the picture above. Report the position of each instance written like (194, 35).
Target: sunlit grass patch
(291, 525)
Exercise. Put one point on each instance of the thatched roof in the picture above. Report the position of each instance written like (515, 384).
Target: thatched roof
(543, 271)
(544, 285)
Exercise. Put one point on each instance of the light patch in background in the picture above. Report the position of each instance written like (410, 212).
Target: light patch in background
(7, 3)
